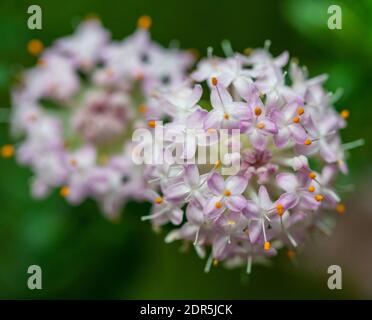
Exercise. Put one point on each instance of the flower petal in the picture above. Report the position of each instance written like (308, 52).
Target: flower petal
(191, 175)
(236, 203)
(287, 181)
(264, 198)
(236, 184)
(216, 184)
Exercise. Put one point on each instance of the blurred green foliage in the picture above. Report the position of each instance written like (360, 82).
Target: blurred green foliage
(84, 256)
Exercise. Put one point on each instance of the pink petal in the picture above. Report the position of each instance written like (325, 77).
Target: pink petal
(251, 209)
(191, 175)
(236, 203)
(194, 214)
(287, 181)
(327, 152)
(298, 133)
(264, 198)
(236, 184)
(282, 137)
(177, 192)
(270, 127)
(197, 92)
(257, 139)
(214, 119)
(176, 215)
(288, 200)
(216, 184)
(308, 201)
(210, 208)
(220, 97)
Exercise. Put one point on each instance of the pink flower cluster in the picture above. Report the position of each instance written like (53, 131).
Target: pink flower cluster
(290, 153)
(76, 109)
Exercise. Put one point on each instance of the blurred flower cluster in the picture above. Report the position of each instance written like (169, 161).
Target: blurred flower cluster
(77, 107)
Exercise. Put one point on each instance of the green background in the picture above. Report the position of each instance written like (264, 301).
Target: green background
(82, 255)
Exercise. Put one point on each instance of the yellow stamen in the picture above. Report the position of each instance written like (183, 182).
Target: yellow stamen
(218, 205)
(142, 108)
(41, 63)
(248, 51)
(217, 164)
(261, 125)
(226, 116)
(307, 142)
(300, 111)
(340, 208)
(158, 200)
(64, 191)
(151, 123)
(279, 209)
(92, 16)
(295, 60)
(291, 254)
(227, 193)
(311, 188)
(73, 162)
(144, 22)
(35, 47)
(194, 52)
(257, 111)
(345, 114)
(109, 72)
(215, 262)
(140, 76)
(7, 151)
(267, 246)
(318, 197)
(103, 159)
(296, 119)
(312, 175)
(231, 222)
(214, 81)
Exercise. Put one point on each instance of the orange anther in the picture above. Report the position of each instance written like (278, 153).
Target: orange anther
(257, 111)
(227, 193)
(300, 111)
(312, 175)
(340, 208)
(279, 209)
(267, 246)
(35, 47)
(64, 191)
(218, 205)
(296, 119)
(345, 114)
(151, 123)
(158, 200)
(7, 151)
(144, 22)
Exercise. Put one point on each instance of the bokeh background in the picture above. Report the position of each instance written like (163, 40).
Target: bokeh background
(82, 255)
